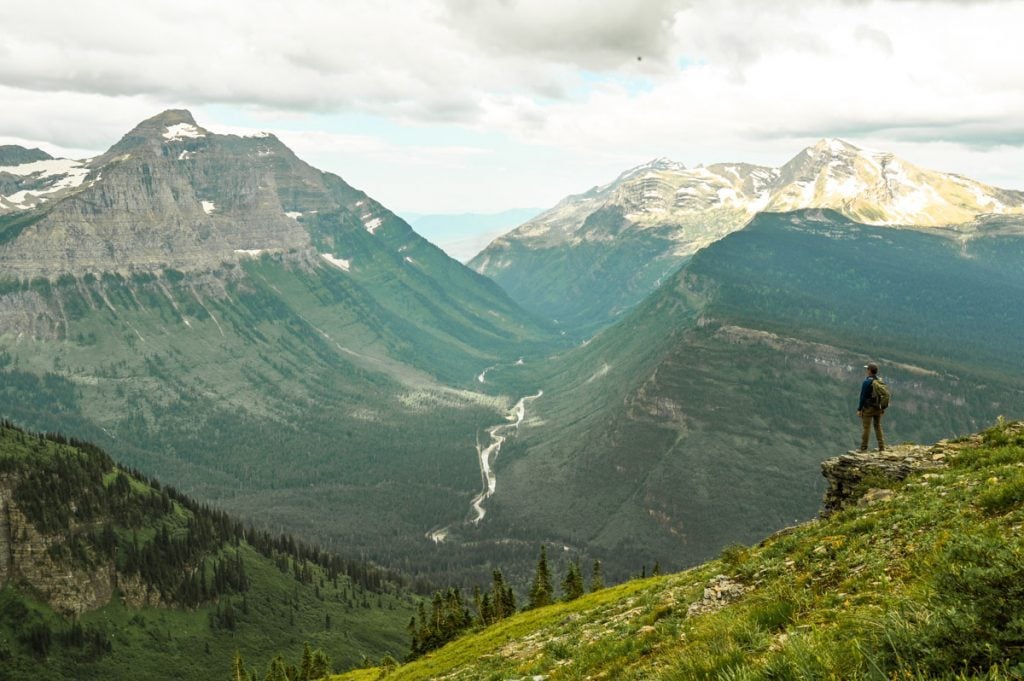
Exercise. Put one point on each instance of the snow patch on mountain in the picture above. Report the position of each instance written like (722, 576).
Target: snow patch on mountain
(180, 131)
(46, 168)
(341, 263)
(372, 224)
(39, 179)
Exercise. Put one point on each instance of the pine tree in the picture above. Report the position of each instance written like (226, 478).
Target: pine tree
(307, 663)
(541, 591)
(277, 670)
(321, 666)
(478, 605)
(596, 578)
(502, 599)
(572, 585)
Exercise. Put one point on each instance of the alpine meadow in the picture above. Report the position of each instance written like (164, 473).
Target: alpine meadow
(511, 340)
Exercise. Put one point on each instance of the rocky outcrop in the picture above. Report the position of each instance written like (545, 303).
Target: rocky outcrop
(26, 557)
(719, 592)
(857, 478)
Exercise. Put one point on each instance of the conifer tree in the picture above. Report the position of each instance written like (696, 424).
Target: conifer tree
(321, 665)
(541, 591)
(502, 599)
(572, 584)
(277, 670)
(596, 578)
(306, 667)
(478, 605)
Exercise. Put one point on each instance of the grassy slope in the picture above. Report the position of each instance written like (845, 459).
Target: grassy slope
(926, 585)
(280, 612)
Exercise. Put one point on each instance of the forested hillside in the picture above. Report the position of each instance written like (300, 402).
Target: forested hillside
(105, 573)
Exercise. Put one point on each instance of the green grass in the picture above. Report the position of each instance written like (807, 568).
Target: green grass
(929, 585)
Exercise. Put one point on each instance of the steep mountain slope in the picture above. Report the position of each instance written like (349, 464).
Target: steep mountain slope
(104, 574)
(595, 255)
(256, 332)
(695, 421)
(920, 579)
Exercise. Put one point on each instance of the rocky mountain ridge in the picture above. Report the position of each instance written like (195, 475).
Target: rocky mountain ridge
(872, 187)
(170, 194)
(213, 310)
(594, 255)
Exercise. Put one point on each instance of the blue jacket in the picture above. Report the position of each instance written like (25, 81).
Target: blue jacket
(865, 392)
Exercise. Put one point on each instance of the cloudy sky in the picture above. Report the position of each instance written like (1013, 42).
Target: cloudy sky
(485, 105)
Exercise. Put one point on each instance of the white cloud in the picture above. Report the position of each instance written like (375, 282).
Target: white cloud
(740, 80)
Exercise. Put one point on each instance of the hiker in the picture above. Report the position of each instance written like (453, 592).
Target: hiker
(871, 408)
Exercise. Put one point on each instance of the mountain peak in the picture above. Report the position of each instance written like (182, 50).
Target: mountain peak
(170, 117)
(832, 146)
(14, 155)
(660, 163)
(173, 124)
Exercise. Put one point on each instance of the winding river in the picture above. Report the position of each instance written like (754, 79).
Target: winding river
(486, 454)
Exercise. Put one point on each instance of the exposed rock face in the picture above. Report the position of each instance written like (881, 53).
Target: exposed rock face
(167, 195)
(704, 204)
(878, 188)
(170, 194)
(12, 155)
(25, 557)
(849, 475)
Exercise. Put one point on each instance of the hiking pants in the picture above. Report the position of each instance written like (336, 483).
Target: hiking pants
(867, 418)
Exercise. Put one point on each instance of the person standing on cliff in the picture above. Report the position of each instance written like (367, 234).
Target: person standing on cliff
(868, 411)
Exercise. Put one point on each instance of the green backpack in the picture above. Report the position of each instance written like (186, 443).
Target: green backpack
(879, 394)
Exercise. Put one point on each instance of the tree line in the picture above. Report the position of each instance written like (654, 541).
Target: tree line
(450, 616)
